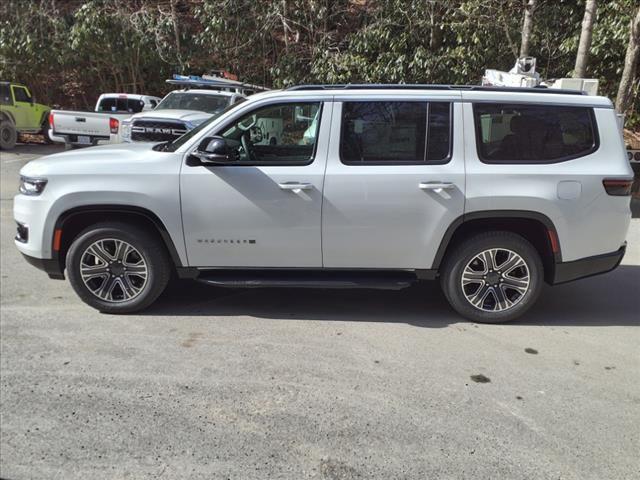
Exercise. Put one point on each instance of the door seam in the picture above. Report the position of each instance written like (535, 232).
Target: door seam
(324, 179)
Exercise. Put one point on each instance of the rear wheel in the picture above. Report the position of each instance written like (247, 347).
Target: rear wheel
(8, 135)
(492, 277)
(117, 268)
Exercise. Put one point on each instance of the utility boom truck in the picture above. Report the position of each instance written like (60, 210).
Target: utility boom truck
(523, 74)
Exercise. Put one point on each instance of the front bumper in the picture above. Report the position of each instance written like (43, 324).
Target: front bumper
(33, 237)
(587, 267)
(51, 266)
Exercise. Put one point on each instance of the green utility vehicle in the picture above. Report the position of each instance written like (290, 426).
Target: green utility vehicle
(20, 114)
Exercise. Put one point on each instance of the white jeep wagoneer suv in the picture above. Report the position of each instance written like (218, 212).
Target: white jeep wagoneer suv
(490, 190)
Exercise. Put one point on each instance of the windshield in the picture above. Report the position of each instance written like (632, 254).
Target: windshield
(178, 142)
(201, 102)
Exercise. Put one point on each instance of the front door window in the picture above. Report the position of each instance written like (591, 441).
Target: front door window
(21, 95)
(283, 134)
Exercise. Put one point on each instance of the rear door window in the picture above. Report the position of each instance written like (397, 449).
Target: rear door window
(514, 133)
(395, 132)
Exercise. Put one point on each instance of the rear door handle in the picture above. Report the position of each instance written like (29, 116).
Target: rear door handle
(436, 185)
(295, 186)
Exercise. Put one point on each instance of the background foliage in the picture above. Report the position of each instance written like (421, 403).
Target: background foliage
(68, 52)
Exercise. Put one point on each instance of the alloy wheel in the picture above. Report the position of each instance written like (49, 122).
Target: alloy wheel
(113, 270)
(495, 280)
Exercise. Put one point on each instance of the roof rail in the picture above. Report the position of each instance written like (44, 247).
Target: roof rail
(426, 86)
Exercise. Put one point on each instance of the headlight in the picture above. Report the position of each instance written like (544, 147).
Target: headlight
(32, 186)
(125, 130)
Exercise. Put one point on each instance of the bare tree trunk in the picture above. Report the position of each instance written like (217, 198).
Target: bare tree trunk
(527, 27)
(176, 33)
(631, 60)
(285, 27)
(435, 34)
(582, 58)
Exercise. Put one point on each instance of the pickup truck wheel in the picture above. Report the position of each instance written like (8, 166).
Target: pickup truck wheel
(492, 277)
(117, 268)
(8, 135)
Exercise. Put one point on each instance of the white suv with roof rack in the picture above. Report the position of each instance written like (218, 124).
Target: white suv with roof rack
(492, 191)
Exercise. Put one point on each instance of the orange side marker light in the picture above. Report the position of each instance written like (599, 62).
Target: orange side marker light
(57, 239)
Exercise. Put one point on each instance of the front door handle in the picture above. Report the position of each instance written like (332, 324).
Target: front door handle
(436, 185)
(295, 187)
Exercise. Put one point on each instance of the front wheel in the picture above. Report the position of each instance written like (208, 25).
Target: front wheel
(117, 268)
(8, 135)
(492, 277)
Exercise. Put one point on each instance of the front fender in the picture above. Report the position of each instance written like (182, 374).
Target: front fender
(6, 115)
(165, 210)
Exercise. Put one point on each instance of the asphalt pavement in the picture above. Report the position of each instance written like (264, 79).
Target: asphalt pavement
(293, 384)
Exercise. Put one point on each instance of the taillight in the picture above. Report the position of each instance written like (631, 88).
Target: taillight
(114, 124)
(618, 187)
(51, 119)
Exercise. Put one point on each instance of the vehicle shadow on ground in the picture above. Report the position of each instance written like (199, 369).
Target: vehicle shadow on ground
(635, 208)
(35, 149)
(611, 299)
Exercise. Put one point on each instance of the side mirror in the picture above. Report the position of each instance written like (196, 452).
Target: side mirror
(215, 151)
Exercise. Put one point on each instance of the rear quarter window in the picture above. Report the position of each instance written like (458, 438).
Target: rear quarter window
(514, 133)
(5, 95)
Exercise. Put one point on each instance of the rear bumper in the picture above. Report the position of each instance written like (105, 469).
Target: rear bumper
(51, 266)
(72, 139)
(587, 267)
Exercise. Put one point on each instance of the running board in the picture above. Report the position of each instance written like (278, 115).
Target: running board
(308, 279)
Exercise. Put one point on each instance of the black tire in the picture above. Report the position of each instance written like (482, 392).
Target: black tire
(513, 301)
(8, 135)
(148, 247)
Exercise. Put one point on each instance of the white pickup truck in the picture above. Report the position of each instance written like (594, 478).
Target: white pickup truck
(177, 113)
(101, 126)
